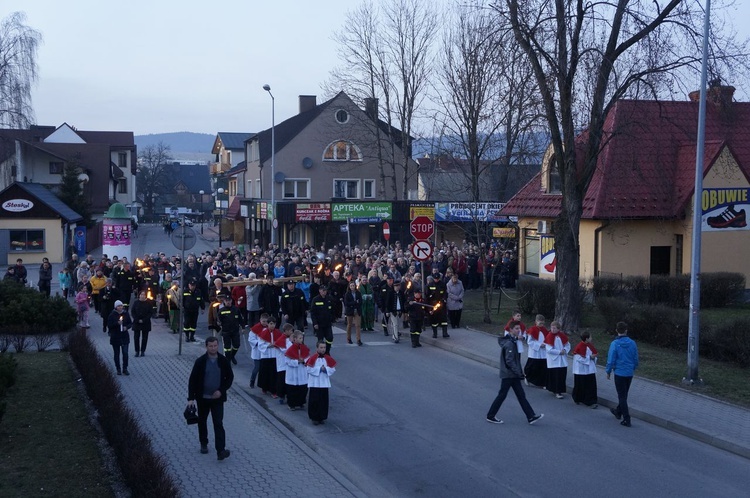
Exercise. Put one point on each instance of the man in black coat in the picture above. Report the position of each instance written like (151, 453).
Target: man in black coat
(209, 382)
(294, 306)
(141, 313)
(119, 323)
(321, 314)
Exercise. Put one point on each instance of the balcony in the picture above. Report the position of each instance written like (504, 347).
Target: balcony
(220, 168)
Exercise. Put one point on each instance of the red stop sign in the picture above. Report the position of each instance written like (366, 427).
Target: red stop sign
(386, 231)
(422, 228)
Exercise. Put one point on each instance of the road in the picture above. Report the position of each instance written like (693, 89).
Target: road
(408, 422)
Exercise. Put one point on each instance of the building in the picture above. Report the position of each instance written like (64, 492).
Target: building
(637, 213)
(333, 162)
(107, 160)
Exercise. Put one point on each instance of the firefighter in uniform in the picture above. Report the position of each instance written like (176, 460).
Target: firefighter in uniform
(230, 320)
(321, 313)
(293, 306)
(436, 297)
(192, 299)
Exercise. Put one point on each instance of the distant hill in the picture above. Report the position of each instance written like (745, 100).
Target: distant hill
(179, 142)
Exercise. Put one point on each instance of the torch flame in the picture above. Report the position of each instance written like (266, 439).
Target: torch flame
(437, 306)
(338, 266)
(320, 267)
(149, 295)
(138, 262)
(215, 305)
(408, 285)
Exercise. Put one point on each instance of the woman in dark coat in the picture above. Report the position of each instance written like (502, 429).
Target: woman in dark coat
(118, 323)
(45, 278)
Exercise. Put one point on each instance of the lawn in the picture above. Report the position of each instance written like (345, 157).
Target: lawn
(48, 446)
(721, 380)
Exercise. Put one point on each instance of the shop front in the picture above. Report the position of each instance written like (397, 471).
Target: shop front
(34, 224)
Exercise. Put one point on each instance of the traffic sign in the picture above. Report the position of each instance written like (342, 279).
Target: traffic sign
(422, 228)
(184, 238)
(386, 231)
(421, 250)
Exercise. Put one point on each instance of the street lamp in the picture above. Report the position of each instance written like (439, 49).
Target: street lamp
(219, 201)
(267, 88)
(201, 192)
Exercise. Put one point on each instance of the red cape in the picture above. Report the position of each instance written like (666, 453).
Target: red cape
(298, 352)
(265, 335)
(535, 331)
(280, 342)
(257, 328)
(550, 339)
(329, 361)
(582, 347)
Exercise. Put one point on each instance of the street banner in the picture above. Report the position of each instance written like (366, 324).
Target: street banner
(547, 255)
(419, 210)
(376, 211)
(469, 211)
(313, 212)
(724, 209)
(504, 233)
(79, 237)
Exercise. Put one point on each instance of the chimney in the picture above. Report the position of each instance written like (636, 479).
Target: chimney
(719, 95)
(307, 103)
(371, 108)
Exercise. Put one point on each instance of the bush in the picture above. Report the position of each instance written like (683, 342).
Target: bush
(658, 325)
(26, 311)
(721, 289)
(145, 472)
(537, 296)
(728, 341)
(8, 366)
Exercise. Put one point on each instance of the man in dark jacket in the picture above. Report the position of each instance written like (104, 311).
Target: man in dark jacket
(119, 323)
(294, 306)
(321, 314)
(230, 320)
(209, 382)
(511, 374)
(192, 300)
(141, 313)
(124, 282)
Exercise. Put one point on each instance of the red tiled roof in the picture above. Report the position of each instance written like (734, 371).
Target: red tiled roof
(646, 167)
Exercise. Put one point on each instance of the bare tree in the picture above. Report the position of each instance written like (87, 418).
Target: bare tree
(386, 53)
(585, 56)
(153, 174)
(18, 70)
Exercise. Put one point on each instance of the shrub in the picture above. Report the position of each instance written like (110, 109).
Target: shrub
(4, 342)
(658, 325)
(26, 311)
(728, 341)
(537, 296)
(7, 378)
(721, 289)
(145, 472)
(44, 341)
(20, 342)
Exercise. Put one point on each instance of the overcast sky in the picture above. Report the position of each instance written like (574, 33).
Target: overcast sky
(184, 65)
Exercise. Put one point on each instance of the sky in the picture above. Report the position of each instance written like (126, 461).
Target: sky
(185, 65)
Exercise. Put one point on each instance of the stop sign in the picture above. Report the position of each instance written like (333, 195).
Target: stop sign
(422, 228)
(386, 231)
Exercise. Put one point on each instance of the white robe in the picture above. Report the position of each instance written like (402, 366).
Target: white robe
(296, 372)
(584, 365)
(318, 378)
(557, 354)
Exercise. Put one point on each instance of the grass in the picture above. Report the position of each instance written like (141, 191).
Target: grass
(722, 381)
(48, 445)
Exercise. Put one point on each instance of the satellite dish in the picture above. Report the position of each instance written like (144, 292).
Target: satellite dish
(279, 177)
(307, 163)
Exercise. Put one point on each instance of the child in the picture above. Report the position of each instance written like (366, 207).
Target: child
(320, 367)
(536, 364)
(296, 372)
(557, 346)
(584, 372)
(282, 343)
(267, 373)
(65, 281)
(82, 305)
(517, 318)
(252, 339)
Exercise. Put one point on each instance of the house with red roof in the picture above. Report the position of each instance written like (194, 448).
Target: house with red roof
(637, 212)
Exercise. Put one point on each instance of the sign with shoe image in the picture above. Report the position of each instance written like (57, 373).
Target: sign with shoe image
(724, 209)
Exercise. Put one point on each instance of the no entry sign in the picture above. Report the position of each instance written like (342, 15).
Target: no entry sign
(386, 231)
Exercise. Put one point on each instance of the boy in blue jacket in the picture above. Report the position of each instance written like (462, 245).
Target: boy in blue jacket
(623, 359)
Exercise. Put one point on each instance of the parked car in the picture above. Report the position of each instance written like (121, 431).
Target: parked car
(188, 222)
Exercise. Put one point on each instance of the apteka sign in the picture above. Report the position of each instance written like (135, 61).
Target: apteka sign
(17, 205)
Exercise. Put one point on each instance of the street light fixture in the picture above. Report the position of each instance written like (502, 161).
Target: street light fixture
(201, 192)
(267, 88)
(221, 210)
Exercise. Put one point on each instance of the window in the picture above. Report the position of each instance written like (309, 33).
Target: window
(342, 150)
(554, 184)
(369, 192)
(56, 167)
(346, 189)
(531, 251)
(257, 189)
(296, 188)
(27, 240)
(122, 160)
(342, 116)
(122, 186)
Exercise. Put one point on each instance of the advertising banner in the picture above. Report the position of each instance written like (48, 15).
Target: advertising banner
(724, 209)
(469, 211)
(504, 233)
(79, 237)
(547, 256)
(428, 211)
(313, 212)
(376, 211)
(115, 235)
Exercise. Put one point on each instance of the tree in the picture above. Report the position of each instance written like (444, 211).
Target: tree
(18, 70)
(487, 109)
(387, 55)
(71, 191)
(152, 178)
(585, 56)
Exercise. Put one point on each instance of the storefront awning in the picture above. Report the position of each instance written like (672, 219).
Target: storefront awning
(233, 213)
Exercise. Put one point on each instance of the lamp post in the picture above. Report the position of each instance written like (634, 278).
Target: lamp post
(267, 88)
(221, 210)
(201, 192)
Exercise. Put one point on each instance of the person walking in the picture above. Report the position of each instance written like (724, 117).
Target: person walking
(192, 301)
(511, 375)
(230, 321)
(141, 312)
(321, 314)
(118, 323)
(353, 312)
(623, 360)
(209, 382)
(45, 278)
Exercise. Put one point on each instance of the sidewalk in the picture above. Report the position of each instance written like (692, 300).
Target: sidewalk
(699, 417)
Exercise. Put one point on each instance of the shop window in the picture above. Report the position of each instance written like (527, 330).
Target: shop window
(27, 240)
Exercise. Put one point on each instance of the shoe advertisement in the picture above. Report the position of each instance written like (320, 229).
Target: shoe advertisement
(725, 209)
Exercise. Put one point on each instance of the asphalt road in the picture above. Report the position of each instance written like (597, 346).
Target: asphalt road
(408, 422)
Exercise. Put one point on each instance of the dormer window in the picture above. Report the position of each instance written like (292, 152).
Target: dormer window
(553, 183)
(342, 150)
